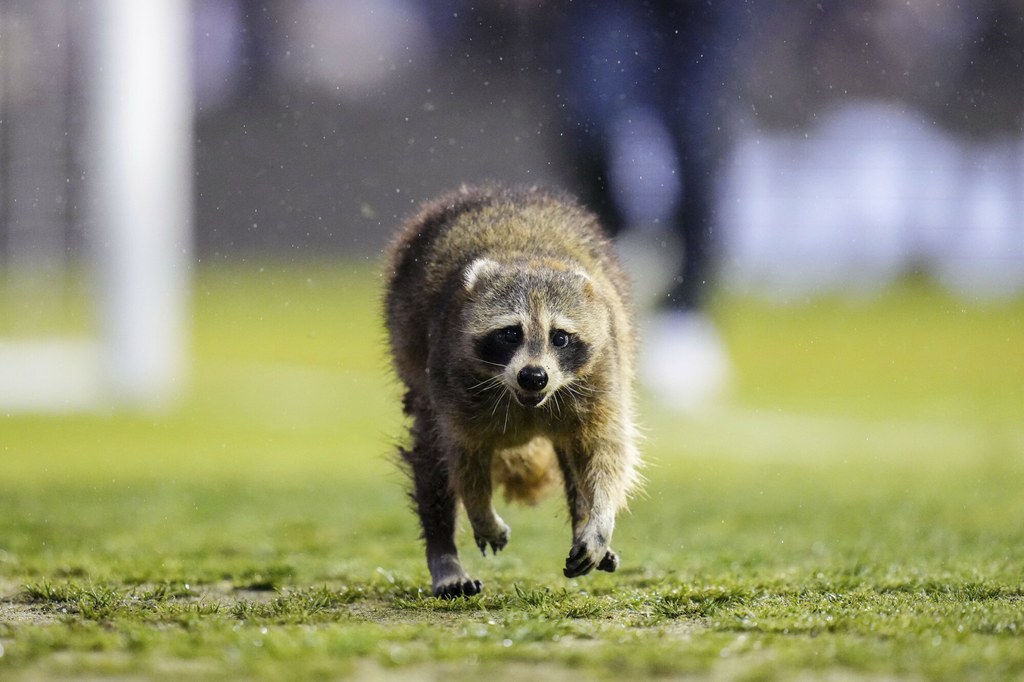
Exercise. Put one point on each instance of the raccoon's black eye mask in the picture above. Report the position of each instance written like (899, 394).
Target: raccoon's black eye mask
(573, 353)
(498, 346)
(513, 336)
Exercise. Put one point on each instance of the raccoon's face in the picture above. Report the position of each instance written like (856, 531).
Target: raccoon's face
(533, 328)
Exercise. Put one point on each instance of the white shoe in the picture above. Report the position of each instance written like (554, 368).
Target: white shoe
(683, 361)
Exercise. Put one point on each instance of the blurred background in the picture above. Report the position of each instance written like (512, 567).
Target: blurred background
(145, 148)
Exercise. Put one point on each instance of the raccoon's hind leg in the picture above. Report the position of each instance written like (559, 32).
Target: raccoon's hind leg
(435, 504)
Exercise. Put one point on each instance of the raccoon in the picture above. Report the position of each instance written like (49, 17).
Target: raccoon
(510, 325)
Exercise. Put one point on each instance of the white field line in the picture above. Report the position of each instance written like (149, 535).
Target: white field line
(758, 433)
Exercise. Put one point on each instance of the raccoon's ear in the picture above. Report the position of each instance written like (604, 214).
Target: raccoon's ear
(582, 274)
(476, 270)
(588, 282)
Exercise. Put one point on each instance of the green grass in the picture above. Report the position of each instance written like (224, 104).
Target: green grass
(854, 509)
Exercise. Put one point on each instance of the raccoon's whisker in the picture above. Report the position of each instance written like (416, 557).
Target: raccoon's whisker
(493, 364)
(572, 391)
(558, 406)
(497, 401)
(580, 393)
(482, 382)
(508, 405)
(585, 388)
(582, 390)
(485, 385)
(575, 398)
(547, 406)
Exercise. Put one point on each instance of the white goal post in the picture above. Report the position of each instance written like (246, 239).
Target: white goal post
(138, 179)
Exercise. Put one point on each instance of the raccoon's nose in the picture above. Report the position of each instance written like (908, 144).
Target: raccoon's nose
(532, 378)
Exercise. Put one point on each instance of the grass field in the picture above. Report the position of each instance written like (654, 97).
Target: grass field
(855, 509)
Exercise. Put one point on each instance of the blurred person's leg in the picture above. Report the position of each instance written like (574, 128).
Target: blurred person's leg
(609, 64)
(685, 363)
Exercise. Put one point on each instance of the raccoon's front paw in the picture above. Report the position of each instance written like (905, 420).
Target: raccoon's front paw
(458, 588)
(496, 535)
(583, 559)
(591, 550)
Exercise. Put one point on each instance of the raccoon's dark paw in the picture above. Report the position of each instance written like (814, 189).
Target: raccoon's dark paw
(583, 560)
(609, 563)
(458, 588)
(497, 538)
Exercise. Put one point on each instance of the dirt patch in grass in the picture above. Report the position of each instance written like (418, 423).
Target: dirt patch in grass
(15, 614)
